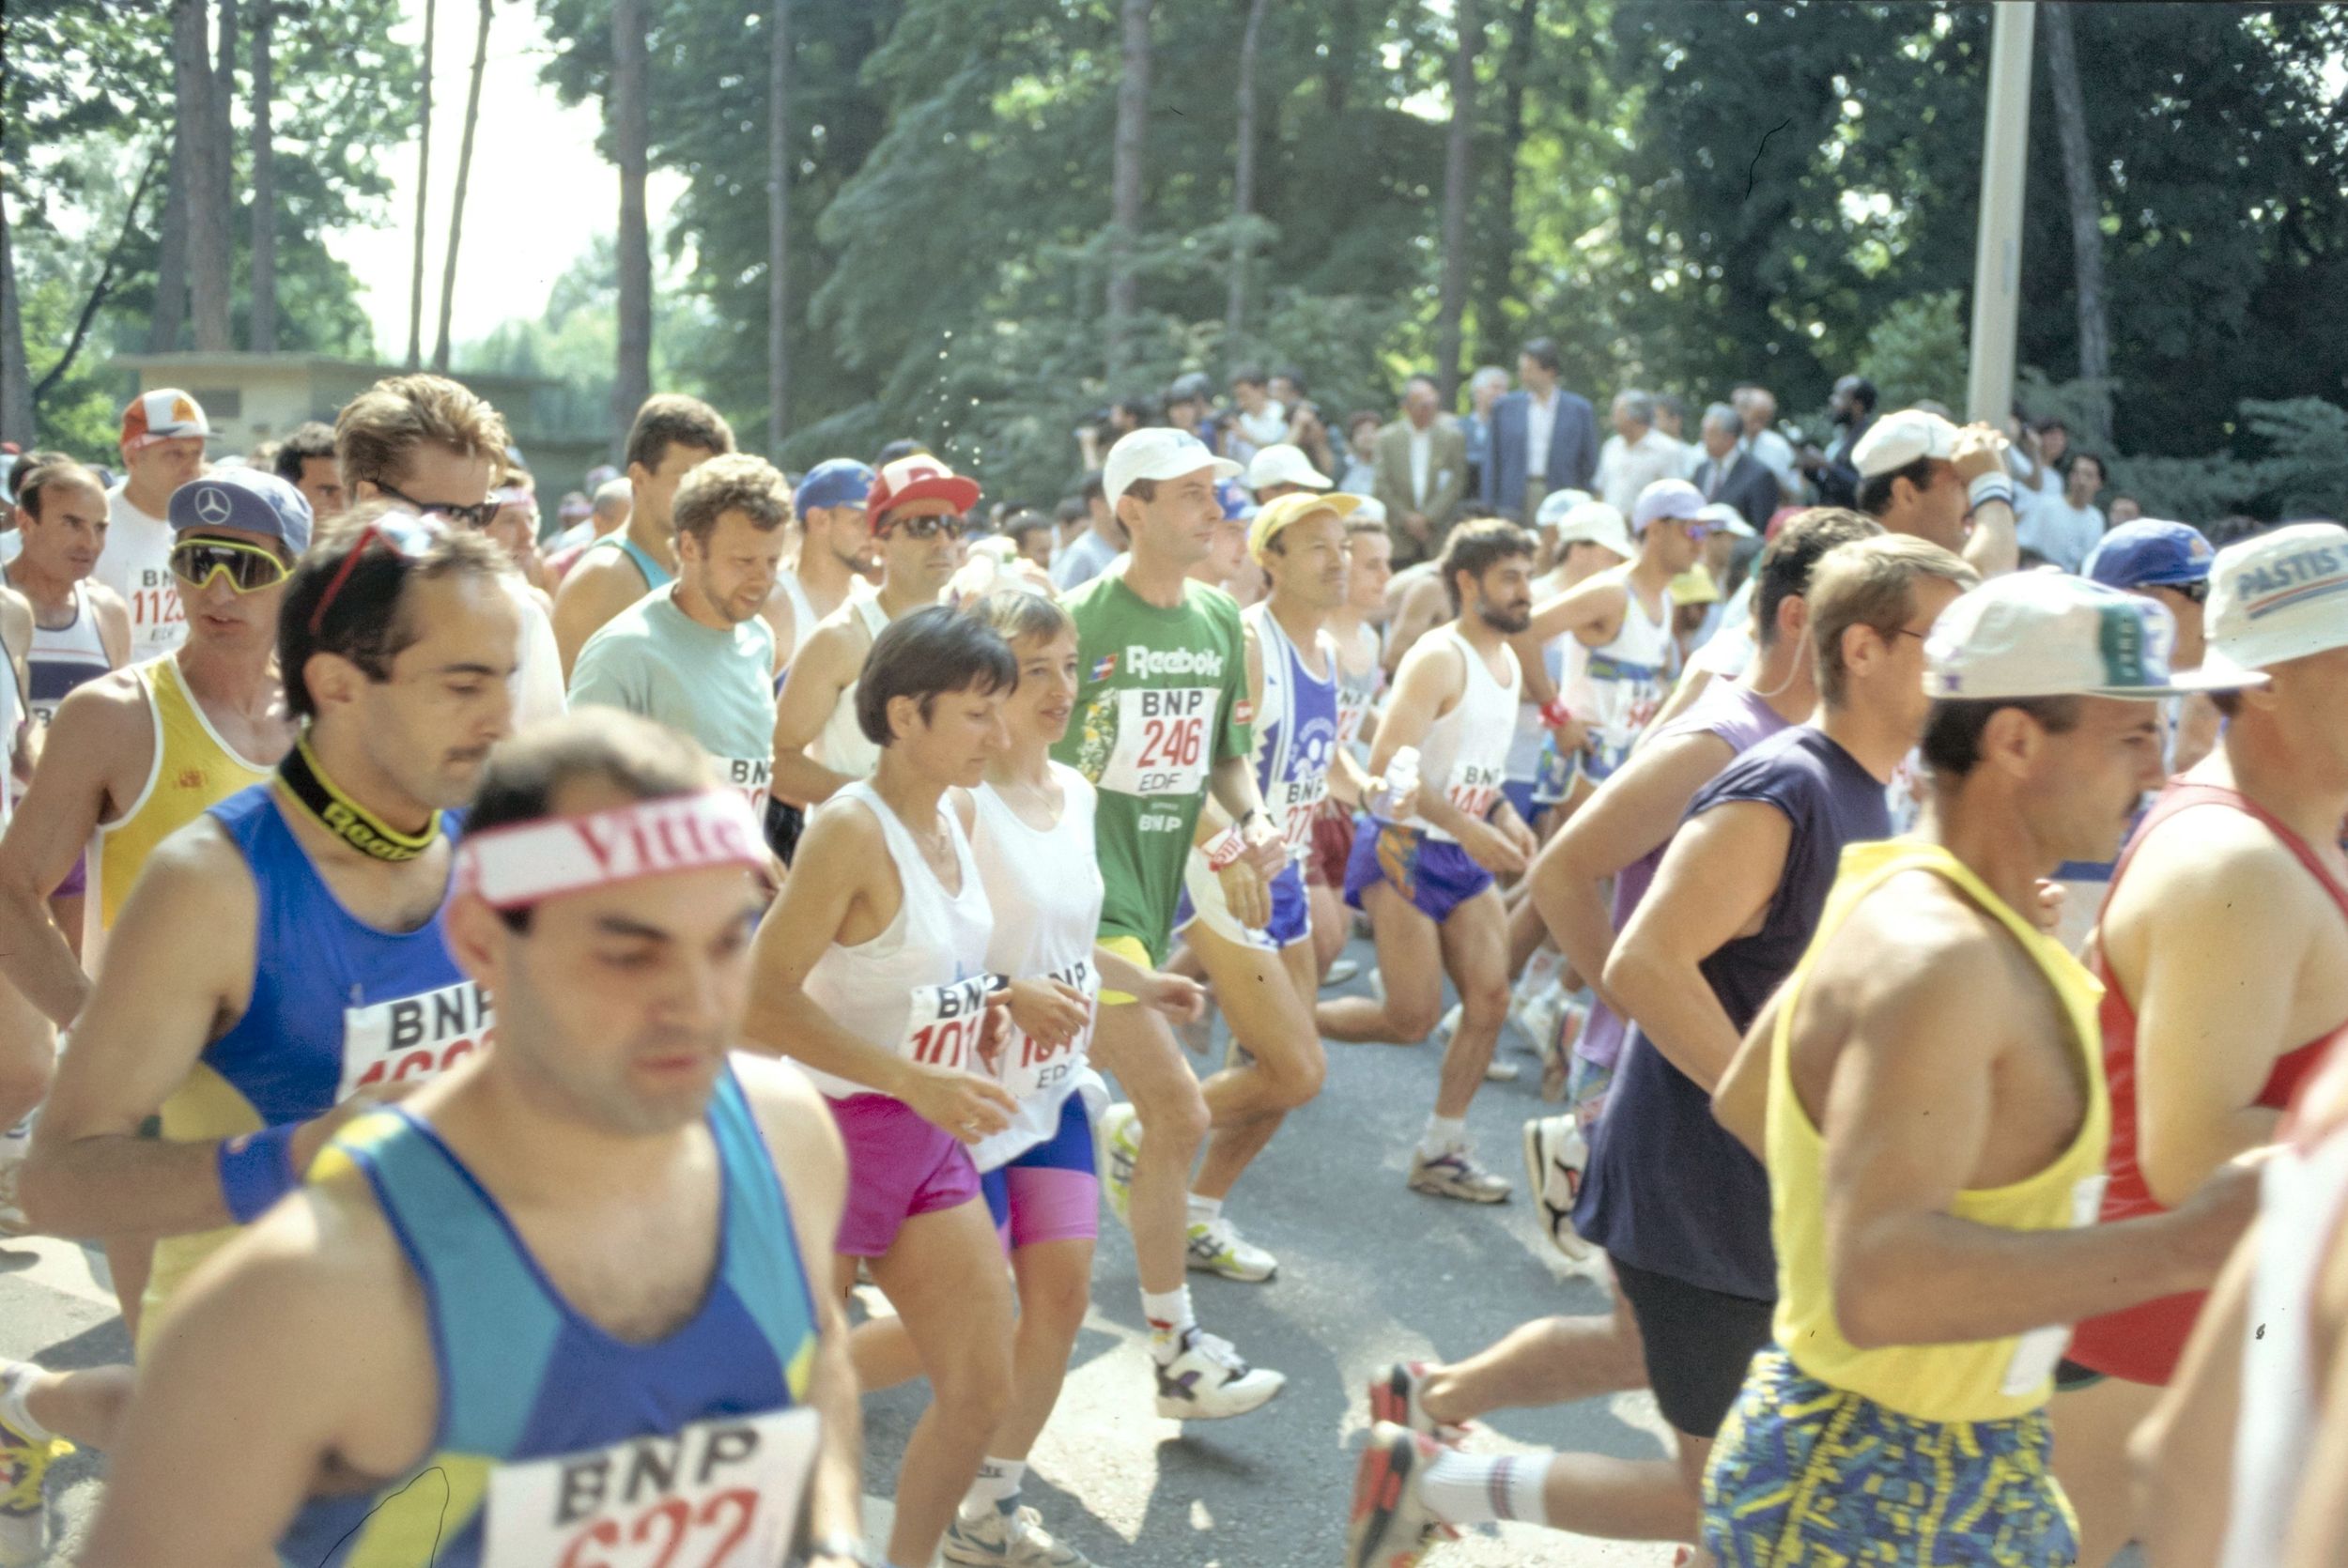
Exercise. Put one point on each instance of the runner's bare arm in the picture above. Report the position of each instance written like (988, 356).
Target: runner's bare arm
(1714, 885)
(16, 633)
(1214, 815)
(593, 593)
(114, 622)
(2205, 1038)
(2319, 1531)
(303, 1342)
(1907, 1114)
(1741, 1102)
(1692, 683)
(98, 732)
(821, 672)
(1631, 814)
(1420, 609)
(2183, 1451)
(1591, 609)
(1992, 546)
(804, 1141)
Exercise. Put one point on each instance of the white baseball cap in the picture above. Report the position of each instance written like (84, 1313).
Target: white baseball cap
(1728, 520)
(1555, 504)
(1594, 522)
(1371, 510)
(2049, 634)
(1158, 452)
(1666, 498)
(2282, 596)
(1900, 439)
(1283, 464)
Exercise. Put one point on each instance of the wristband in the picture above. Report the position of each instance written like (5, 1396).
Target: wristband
(256, 1170)
(1223, 849)
(1991, 487)
(1555, 714)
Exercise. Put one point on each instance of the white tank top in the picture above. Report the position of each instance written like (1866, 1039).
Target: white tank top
(136, 564)
(1045, 889)
(64, 658)
(1465, 753)
(802, 612)
(841, 746)
(1620, 683)
(1296, 726)
(918, 989)
(2301, 1196)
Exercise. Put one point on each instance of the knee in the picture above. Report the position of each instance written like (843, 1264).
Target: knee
(975, 1388)
(1174, 1122)
(1486, 1001)
(1413, 1017)
(25, 1079)
(1054, 1308)
(1297, 1080)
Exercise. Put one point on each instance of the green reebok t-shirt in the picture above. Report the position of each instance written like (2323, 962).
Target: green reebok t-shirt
(1162, 697)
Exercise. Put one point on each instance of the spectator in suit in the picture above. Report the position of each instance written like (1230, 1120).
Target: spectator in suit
(1485, 389)
(1833, 473)
(1544, 438)
(1731, 475)
(1420, 473)
(1636, 454)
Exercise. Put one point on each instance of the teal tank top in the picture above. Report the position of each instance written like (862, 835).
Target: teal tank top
(655, 575)
(556, 1442)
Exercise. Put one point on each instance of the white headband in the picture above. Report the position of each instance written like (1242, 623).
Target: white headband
(509, 868)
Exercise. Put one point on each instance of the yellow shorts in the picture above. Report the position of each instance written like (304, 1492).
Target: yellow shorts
(1132, 950)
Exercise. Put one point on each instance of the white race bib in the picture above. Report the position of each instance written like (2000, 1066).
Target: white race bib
(1163, 746)
(751, 774)
(158, 622)
(723, 1493)
(1030, 1068)
(2036, 1353)
(943, 1027)
(1295, 805)
(1473, 790)
(414, 1037)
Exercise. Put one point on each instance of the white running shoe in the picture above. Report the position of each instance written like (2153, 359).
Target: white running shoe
(1209, 1379)
(1455, 1174)
(1119, 1135)
(12, 1221)
(1217, 1247)
(1556, 1156)
(999, 1540)
(1535, 1013)
(1556, 1047)
(23, 1499)
(1340, 972)
(1391, 1526)
(1449, 1025)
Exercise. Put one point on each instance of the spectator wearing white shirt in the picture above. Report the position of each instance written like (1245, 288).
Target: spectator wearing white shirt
(2063, 531)
(1258, 420)
(1636, 454)
(1757, 407)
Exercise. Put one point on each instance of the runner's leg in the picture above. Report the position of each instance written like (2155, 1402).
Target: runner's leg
(1409, 956)
(1055, 1288)
(1137, 1044)
(1267, 1001)
(1551, 1361)
(1474, 942)
(2091, 1429)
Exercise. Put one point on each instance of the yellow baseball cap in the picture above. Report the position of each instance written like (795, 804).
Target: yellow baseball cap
(1694, 586)
(1274, 515)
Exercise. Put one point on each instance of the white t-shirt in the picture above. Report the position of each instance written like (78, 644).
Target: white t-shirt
(2060, 532)
(136, 564)
(537, 684)
(1625, 468)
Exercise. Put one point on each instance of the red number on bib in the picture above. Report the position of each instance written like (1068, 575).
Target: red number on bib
(677, 1513)
(745, 1505)
(941, 1044)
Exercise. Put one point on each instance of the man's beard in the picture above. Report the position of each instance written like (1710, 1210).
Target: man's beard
(1506, 622)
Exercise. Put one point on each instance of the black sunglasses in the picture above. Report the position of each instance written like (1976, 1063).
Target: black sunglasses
(469, 517)
(926, 525)
(2192, 593)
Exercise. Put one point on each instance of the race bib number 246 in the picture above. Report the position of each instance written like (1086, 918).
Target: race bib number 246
(1162, 741)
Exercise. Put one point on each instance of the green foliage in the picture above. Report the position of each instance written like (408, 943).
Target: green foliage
(1916, 352)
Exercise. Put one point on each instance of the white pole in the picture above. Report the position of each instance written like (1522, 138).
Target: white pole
(1997, 257)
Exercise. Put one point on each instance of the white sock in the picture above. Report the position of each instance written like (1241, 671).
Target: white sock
(1542, 970)
(15, 1379)
(1205, 1210)
(1443, 1134)
(1479, 1488)
(996, 1488)
(1169, 1314)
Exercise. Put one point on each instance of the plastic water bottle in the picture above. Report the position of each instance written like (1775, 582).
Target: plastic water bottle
(1401, 777)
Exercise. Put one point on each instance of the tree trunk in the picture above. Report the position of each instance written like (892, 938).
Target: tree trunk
(197, 124)
(423, 183)
(1132, 124)
(264, 325)
(777, 226)
(171, 254)
(1496, 269)
(104, 285)
(457, 200)
(1243, 184)
(631, 138)
(2086, 203)
(16, 376)
(1455, 200)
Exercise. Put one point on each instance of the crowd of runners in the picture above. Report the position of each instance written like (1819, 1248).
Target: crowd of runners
(493, 1004)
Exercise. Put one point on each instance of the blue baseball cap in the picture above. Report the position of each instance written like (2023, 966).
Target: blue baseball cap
(251, 500)
(834, 482)
(2149, 553)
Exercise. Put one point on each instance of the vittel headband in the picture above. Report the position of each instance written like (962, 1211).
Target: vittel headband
(510, 867)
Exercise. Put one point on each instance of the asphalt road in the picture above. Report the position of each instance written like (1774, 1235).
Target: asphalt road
(1370, 1272)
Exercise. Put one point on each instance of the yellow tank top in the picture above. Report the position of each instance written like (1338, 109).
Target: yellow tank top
(1978, 1380)
(194, 769)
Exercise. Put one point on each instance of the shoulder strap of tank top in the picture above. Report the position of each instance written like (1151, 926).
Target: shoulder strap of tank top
(2177, 797)
(875, 619)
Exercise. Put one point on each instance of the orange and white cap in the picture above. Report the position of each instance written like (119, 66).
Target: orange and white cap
(165, 414)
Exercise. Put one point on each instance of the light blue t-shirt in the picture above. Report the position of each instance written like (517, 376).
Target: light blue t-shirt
(718, 687)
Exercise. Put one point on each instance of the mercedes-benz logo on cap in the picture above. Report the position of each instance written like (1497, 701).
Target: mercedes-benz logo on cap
(212, 505)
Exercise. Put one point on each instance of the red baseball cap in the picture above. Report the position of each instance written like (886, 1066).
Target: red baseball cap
(165, 414)
(917, 477)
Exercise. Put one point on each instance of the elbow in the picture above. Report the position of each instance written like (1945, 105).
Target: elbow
(1863, 1318)
(1630, 968)
(44, 1196)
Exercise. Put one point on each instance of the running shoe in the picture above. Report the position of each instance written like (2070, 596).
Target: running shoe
(12, 1220)
(1120, 1145)
(1556, 1045)
(1499, 1070)
(1455, 1174)
(999, 1540)
(1535, 1012)
(1217, 1247)
(1340, 972)
(1394, 1398)
(1450, 1024)
(24, 1504)
(1556, 1156)
(1392, 1526)
(1209, 1379)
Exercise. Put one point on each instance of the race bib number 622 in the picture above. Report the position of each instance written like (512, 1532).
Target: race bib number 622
(1164, 741)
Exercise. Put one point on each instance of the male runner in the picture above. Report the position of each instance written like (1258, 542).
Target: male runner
(1361, 678)
(1161, 725)
(164, 434)
(1680, 1209)
(1425, 875)
(1920, 474)
(284, 953)
(914, 513)
(305, 460)
(2216, 1005)
(699, 657)
(1927, 1093)
(425, 1353)
(1264, 976)
(834, 544)
(672, 435)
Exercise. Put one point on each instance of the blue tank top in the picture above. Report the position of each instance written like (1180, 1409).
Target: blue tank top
(1296, 731)
(556, 1442)
(655, 574)
(1668, 1189)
